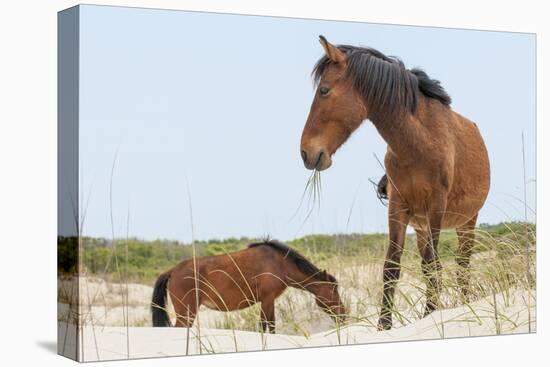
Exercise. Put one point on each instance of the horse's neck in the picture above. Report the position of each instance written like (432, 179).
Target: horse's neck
(297, 279)
(409, 134)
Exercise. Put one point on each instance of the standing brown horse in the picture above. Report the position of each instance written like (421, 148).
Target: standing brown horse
(259, 273)
(436, 163)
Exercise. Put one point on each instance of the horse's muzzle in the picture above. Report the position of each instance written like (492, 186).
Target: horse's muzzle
(319, 160)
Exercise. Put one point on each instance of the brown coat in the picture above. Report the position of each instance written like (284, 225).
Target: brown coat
(437, 166)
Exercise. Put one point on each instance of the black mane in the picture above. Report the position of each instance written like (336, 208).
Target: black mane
(386, 86)
(298, 259)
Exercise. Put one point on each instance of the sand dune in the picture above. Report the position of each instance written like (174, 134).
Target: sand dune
(505, 313)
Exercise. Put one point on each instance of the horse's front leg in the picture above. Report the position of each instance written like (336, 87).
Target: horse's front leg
(431, 265)
(267, 315)
(398, 219)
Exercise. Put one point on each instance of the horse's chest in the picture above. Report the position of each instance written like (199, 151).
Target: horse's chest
(415, 180)
(414, 189)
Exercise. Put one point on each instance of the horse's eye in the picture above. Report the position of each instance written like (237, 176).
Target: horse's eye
(324, 91)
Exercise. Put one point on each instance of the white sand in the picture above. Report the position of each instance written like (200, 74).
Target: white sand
(480, 318)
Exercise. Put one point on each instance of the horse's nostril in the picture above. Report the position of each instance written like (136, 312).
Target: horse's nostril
(304, 155)
(319, 159)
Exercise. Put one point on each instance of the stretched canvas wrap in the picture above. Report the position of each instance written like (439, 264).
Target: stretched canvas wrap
(232, 183)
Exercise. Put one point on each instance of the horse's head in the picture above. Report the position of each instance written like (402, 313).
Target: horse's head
(336, 112)
(328, 298)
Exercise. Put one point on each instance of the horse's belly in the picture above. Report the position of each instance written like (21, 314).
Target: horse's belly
(457, 213)
(227, 304)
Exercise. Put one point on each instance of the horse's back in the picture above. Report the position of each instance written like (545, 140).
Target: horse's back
(230, 281)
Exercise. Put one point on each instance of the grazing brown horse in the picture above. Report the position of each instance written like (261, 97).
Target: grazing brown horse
(259, 273)
(437, 167)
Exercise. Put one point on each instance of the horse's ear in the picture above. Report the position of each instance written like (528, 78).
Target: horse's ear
(332, 52)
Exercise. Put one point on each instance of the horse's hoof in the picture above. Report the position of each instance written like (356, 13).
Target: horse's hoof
(384, 323)
(428, 311)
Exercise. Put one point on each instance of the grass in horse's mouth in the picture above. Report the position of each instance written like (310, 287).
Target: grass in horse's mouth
(313, 187)
(313, 192)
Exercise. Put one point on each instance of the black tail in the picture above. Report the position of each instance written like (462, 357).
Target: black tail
(158, 304)
(382, 190)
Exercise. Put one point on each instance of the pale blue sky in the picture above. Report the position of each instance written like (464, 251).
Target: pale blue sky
(222, 99)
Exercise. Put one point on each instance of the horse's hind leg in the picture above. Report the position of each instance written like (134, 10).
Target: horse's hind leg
(185, 315)
(431, 264)
(425, 247)
(186, 309)
(267, 316)
(466, 237)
